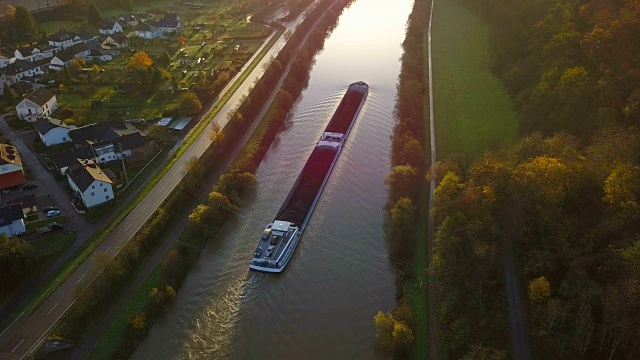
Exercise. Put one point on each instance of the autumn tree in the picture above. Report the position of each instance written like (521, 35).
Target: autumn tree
(181, 40)
(189, 104)
(539, 289)
(7, 11)
(140, 60)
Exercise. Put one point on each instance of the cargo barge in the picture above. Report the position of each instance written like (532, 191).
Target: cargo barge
(280, 238)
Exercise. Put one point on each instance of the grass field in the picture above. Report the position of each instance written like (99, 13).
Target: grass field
(472, 110)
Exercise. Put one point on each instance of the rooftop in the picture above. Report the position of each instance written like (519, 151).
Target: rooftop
(85, 172)
(9, 155)
(9, 214)
(40, 97)
(43, 126)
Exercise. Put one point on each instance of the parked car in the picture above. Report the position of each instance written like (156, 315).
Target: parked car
(52, 213)
(10, 189)
(29, 186)
(49, 208)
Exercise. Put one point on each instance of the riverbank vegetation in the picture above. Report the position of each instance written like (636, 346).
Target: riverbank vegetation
(564, 196)
(395, 331)
(224, 199)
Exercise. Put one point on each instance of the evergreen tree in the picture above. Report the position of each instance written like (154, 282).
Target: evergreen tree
(44, 39)
(25, 24)
(93, 13)
(9, 96)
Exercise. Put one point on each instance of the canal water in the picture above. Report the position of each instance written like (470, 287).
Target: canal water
(322, 305)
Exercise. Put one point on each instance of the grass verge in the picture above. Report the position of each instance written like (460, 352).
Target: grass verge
(473, 111)
(73, 263)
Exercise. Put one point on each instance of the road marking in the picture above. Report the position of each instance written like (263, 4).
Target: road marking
(85, 274)
(161, 190)
(16, 348)
(108, 249)
(145, 208)
(127, 228)
(54, 306)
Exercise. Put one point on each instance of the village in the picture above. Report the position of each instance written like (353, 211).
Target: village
(93, 105)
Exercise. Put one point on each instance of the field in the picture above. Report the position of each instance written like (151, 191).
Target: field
(473, 112)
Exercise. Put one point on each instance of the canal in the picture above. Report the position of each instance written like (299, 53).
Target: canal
(322, 305)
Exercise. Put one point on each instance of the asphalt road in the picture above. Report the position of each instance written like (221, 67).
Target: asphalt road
(30, 334)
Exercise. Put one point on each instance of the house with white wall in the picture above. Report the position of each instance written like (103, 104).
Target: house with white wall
(5, 61)
(109, 27)
(38, 104)
(116, 41)
(35, 53)
(146, 31)
(12, 220)
(53, 131)
(20, 70)
(90, 183)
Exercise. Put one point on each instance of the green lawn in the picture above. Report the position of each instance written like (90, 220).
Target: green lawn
(472, 110)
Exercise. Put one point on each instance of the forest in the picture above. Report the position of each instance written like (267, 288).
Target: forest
(565, 195)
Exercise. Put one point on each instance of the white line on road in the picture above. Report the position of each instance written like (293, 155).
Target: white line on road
(108, 249)
(127, 228)
(16, 348)
(161, 190)
(145, 208)
(54, 306)
(85, 274)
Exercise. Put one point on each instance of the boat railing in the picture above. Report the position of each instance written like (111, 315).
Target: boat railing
(287, 246)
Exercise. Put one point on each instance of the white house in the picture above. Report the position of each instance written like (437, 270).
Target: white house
(165, 26)
(12, 220)
(35, 52)
(63, 39)
(5, 61)
(19, 70)
(90, 183)
(109, 27)
(11, 171)
(116, 41)
(128, 19)
(38, 104)
(53, 131)
(146, 31)
(62, 59)
(99, 55)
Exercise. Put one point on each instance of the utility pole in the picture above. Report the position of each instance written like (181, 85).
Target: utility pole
(124, 167)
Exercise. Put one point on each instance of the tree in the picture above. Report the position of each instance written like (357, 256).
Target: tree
(7, 11)
(539, 289)
(93, 13)
(620, 187)
(189, 104)
(17, 259)
(165, 59)
(403, 180)
(96, 69)
(140, 60)
(9, 96)
(25, 24)
(181, 41)
(216, 135)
